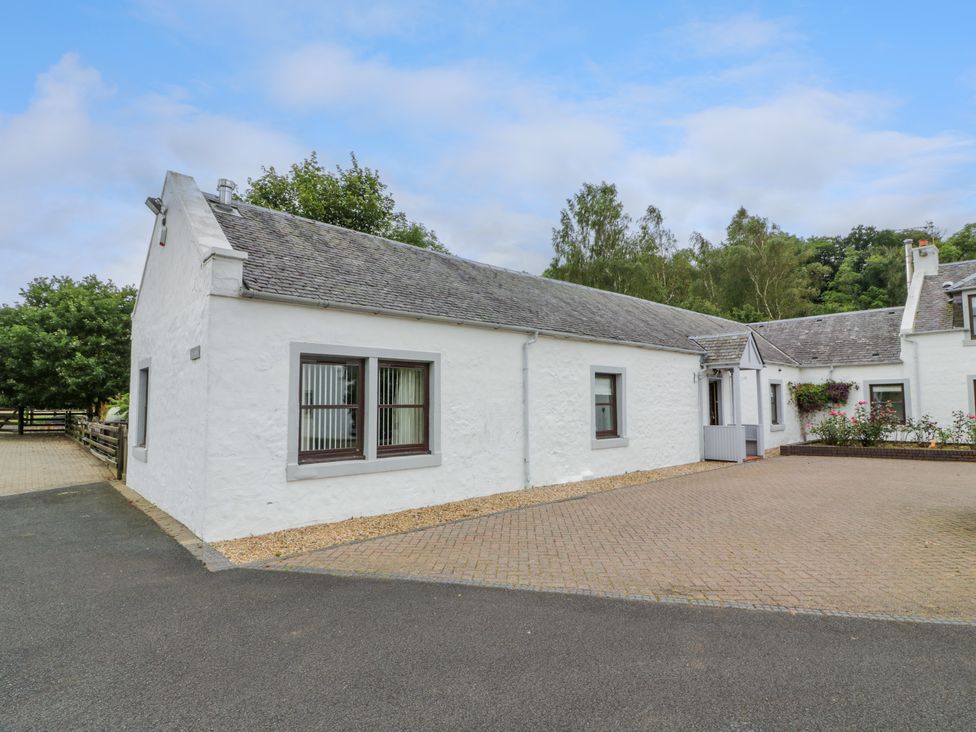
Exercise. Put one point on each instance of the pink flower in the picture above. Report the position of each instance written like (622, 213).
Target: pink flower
(833, 413)
(862, 402)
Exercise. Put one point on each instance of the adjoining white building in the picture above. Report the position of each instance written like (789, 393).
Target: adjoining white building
(287, 372)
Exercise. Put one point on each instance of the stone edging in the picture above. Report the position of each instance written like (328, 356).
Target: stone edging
(206, 554)
(896, 453)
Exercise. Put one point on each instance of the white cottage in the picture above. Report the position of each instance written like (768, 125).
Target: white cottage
(287, 372)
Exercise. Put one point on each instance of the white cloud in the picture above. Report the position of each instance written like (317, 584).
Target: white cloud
(734, 36)
(331, 77)
(79, 162)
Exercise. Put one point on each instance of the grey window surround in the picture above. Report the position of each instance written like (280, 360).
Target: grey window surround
(371, 463)
(139, 448)
(905, 384)
(971, 388)
(780, 426)
(622, 440)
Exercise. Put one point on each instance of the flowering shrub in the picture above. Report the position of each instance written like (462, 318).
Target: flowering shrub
(810, 398)
(869, 425)
(922, 430)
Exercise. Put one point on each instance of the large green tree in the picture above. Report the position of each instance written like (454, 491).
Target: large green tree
(759, 271)
(354, 198)
(598, 244)
(66, 344)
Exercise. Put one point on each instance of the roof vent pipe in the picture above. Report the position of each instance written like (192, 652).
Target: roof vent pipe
(225, 191)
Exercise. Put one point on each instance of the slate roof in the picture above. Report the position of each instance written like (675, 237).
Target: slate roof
(935, 308)
(290, 255)
(865, 336)
(723, 349)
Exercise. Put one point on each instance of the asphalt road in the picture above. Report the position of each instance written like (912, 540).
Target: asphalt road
(105, 623)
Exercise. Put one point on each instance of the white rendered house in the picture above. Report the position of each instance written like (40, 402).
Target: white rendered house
(287, 372)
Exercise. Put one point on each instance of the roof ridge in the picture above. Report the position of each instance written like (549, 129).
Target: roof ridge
(827, 315)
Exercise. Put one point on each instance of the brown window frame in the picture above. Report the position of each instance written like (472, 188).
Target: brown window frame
(420, 448)
(904, 402)
(614, 431)
(971, 299)
(346, 453)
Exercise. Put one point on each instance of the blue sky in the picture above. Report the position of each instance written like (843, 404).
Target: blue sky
(484, 117)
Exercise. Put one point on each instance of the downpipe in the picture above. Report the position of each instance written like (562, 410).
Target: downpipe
(526, 443)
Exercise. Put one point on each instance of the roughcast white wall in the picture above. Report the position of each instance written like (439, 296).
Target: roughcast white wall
(481, 417)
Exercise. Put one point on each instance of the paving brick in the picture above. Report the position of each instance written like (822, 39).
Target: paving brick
(36, 462)
(885, 537)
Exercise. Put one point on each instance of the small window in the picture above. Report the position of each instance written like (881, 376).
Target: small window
(775, 395)
(403, 408)
(143, 414)
(893, 394)
(331, 401)
(605, 400)
(972, 316)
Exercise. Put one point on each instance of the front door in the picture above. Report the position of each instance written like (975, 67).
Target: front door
(715, 402)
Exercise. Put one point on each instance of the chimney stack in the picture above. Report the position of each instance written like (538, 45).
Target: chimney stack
(225, 191)
(923, 259)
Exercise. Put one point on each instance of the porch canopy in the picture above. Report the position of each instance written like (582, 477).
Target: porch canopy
(731, 353)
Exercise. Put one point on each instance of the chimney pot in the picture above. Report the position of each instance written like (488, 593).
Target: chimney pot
(225, 191)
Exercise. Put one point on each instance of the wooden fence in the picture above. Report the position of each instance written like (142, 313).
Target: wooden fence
(27, 421)
(106, 440)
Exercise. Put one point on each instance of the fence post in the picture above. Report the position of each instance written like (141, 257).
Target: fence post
(20, 421)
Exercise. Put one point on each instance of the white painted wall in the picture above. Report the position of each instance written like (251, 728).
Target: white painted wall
(662, 404)
(947, 363)
(170, 317)
(481, 416)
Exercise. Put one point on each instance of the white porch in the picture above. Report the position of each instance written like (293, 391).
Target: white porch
(725, 436)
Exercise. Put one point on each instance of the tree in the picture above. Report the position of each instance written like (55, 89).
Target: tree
(354, 198)
(767, 268)
(66, 344)
(599, 245)
(959, 247)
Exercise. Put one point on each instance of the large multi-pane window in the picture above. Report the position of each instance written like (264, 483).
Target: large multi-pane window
(889, 394)
(972, 315)
(335, 420)
(605, 402)
(330, 426)
(402, 408)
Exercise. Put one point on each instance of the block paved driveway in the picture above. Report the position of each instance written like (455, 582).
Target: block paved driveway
(37, 462)
(841, 535)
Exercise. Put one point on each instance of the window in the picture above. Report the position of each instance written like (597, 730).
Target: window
(142, 415)
(330, 426)
(605, 403)
(775, 404)
(714, 402)
(879, 394)
(972, 315)
(355, 410)
(403, 408)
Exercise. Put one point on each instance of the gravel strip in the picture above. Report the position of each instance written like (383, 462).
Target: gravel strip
(298, 541)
